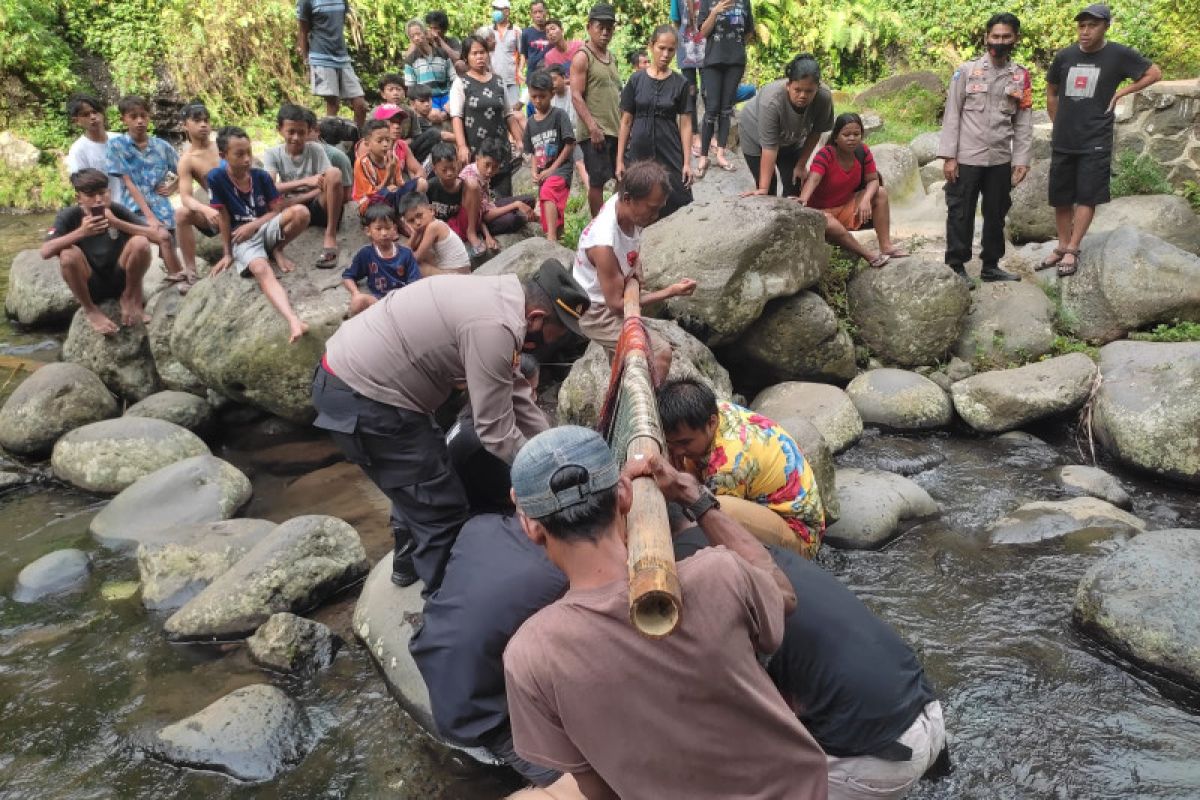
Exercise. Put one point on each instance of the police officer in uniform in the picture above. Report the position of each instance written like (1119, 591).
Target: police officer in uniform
(986, 141)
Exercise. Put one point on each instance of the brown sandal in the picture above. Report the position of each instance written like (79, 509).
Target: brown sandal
(1051, 261)
(1066, 270)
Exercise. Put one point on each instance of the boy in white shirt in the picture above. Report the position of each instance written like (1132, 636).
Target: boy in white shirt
(89, 151)
(562, 99)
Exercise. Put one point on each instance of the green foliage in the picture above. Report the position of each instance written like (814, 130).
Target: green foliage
(34, 57)
(1191, 193)
(43, 188)
(1177, 331)
(906, 113)
(851, 40)
(1137, 174)
(1065, 344)
(576, 219)
(128, 36)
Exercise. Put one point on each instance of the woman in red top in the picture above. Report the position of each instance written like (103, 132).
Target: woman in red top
(844, 183)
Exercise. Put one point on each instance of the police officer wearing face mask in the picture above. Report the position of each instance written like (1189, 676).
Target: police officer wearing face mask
(986, 141)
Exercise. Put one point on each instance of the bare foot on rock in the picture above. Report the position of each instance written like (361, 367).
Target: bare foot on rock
(100, 322)
(284, 263)
(133, 311)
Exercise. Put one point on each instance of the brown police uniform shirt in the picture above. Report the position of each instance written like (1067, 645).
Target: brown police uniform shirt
(411, 348)
(690, 716)
(989, 115)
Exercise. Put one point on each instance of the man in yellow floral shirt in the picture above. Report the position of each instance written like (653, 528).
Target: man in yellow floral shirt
(751, 462)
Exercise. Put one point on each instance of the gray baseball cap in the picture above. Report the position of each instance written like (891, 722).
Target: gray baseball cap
(1097, 10)
(546, 454)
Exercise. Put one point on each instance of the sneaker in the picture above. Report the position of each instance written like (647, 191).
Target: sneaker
(403, 571)
(992, 272)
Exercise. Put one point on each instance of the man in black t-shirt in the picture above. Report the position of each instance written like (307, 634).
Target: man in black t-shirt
(1081, 93)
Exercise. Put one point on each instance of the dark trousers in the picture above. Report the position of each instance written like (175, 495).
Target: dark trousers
(995, 184)
(720, 83)
(692, 76)
(404, 453)
(785, 170)
(510, 222)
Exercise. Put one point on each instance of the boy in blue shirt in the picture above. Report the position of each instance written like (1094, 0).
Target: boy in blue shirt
(255, 227)
(146, 167)
(385, 263)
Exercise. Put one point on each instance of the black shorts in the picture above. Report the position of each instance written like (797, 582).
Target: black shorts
(1079, 178)
(106, 284)
(208, 231)
(600, 163)
(316, 213)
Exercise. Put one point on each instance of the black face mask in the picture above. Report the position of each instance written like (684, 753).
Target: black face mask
(1001, 50)
(541, 351)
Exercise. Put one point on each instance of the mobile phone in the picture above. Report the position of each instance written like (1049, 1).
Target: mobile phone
(96, 211)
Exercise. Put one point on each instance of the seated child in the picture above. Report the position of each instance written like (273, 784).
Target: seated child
(331, 133)
(562, 99)
(146, 167)
(385, 264)
(376, 173)
(550, 138)
(255, 224)
(391, 89)
(90, 150)
(446, 190)
(304, 176)
(437, 248)
(492, 216)
(425, 134)
(103, 251)
(398, 123)
(199, 158)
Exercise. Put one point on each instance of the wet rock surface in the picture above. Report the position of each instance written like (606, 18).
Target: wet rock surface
(55, 573)
(827, 407)
(108, 456)
(291, 644)
(55, 399)
(183, 408)
(1080, 517)
(896, 399)
(876, 506)
(1003, 400)
(174, 570)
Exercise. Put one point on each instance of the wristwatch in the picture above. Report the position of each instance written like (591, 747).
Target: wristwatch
(706, 502)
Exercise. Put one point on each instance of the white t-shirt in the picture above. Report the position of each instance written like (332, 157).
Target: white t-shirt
(504, 57)
(600, 232)
(85, 154)
(564, 102)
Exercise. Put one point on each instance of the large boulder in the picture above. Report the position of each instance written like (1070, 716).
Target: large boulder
(816, 451)
(899, 171)
(1081, 479)
(123, 360)
(927, 80)
(177, 565)
(910, 312)
(37, 294)
(16, 153)
(742, 252)
(925, 146)
(53, 400)
(183, 408)
(254, 734)
(524, 258)
(1147, 411)
(1141, 601)
(582, 394)
(163, 308)
(194, 490)
(1031, 217)
(876, 507)
(1007, 399)
(292, 645)
(1167, 216)
(1087, 517)
(55, 573)
(896, 399)
(1008, 320)
(293, 568)
(797, 338)
(828, 408)
(110, 455)
(1127, 280)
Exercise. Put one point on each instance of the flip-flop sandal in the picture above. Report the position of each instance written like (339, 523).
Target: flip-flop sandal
(728, 167)
(1066, 270)
(695, 151)
(701, 171)
(879, 260)
(1051, 261)
(328, 259)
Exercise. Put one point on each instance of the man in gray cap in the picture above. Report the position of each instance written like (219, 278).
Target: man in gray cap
(692, 715)
(1081, 93)
(388, 369)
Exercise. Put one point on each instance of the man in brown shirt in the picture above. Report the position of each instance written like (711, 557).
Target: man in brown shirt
(693, 715)
(386, 370)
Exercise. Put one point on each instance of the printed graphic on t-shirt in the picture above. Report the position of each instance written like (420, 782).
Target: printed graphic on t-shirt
(1082, 80)
(545, 147)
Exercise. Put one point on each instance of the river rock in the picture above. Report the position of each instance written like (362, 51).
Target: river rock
(924, 79)
(293, 568)
(933, 173)
(183, 408)
(1128, 280)
(37, 294)
(232, 339)
(55, 399)
(816, 451)
(55, 573)
(181, 562)
(1141, 601)
(291, 644)
(898, 169)
(123, 360)
(925, 146)
(1004, 400)
(910, 312)
(17, 153)
(1030, 217)
(193, 490)
(827, 407)
(742, 252)
(582, 393)
(524, 258)
(110, 455)
(1093, 481)
(163, 308)
(1147, 410)
(255, 734)
(1053, 519)
(1167, 216)
(897, 399)
(796, 339)
(1007, 320)
(875, 504)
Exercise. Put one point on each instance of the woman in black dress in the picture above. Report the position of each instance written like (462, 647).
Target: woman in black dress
(655, 123)
(479, 111)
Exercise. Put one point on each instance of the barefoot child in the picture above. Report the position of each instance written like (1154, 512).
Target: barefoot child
(90, 150)
(385, 264)
(425, 134)
(304, 176)
(253, 228)
(447, 191)
(147, 166)
(199, 158)
(437, 248)
(550, 138)
(486, 214)
(103, 251)
(399, 125)
(376, 173)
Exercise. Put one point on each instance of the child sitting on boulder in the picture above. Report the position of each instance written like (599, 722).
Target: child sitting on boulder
(385, 264)
(200, 157)
(484, 212)
(103, 251)
(376, 173)
(446, 190)
(437, 248)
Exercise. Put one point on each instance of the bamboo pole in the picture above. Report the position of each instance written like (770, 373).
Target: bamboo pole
(655, 598)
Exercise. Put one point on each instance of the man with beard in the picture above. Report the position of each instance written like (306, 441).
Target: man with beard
(986, 141)
(386, 371)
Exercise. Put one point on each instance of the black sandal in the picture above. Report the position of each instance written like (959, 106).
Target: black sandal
(1065, 270)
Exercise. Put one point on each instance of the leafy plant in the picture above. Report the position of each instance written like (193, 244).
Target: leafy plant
(1137, 174)
(1177, 331)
